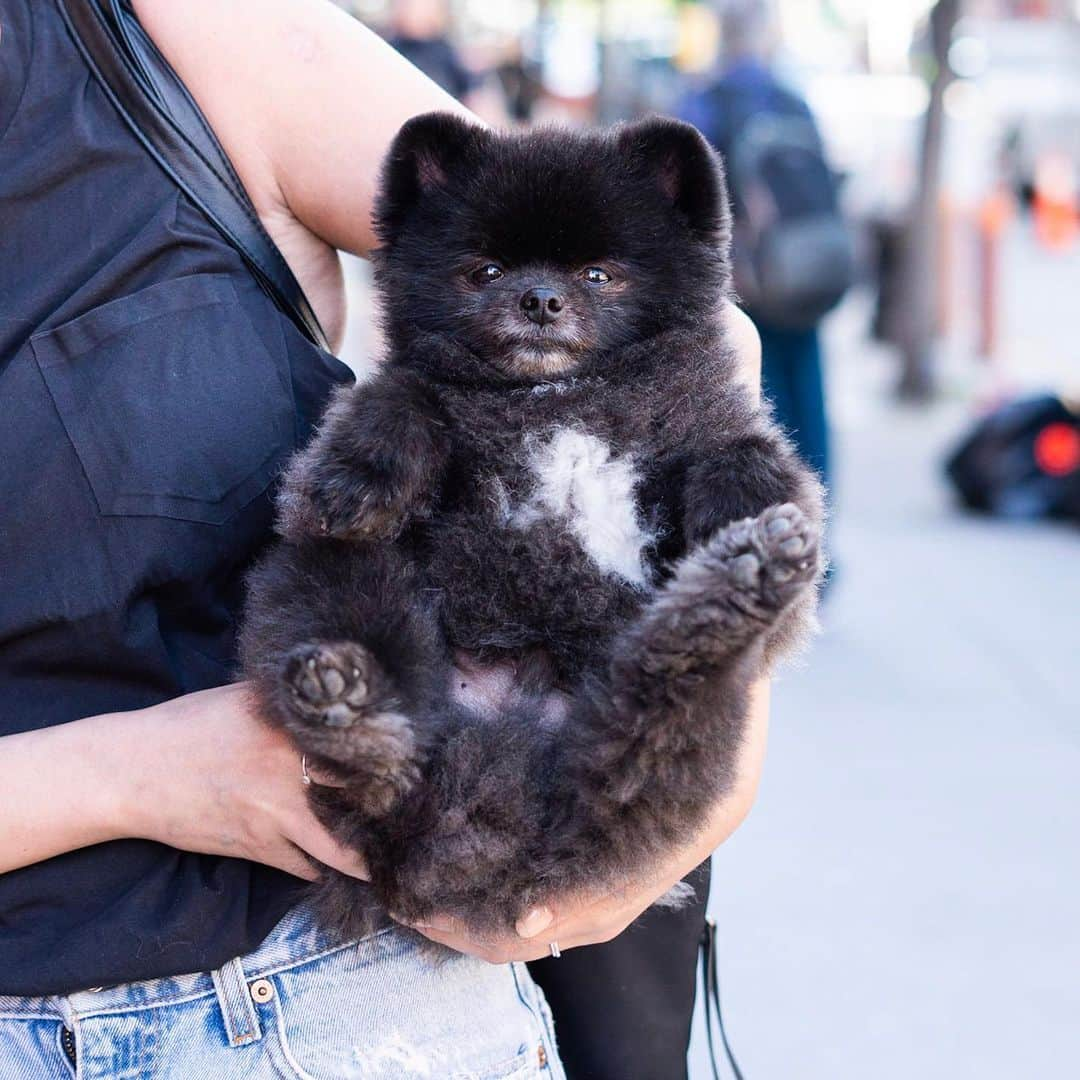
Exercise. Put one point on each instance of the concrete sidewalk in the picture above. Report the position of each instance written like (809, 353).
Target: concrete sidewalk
(905, 898)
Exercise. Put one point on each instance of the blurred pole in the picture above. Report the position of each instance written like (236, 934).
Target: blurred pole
(607, 92)
(919, 277)
(993, 216)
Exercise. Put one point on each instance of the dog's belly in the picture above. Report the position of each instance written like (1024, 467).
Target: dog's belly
(544, 565)
(490, 688)
(504, 593)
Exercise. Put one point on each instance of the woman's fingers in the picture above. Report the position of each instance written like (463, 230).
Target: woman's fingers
(297, 822)
(310, 836)
(452, 933)
(494, 951)
(506, 949)
(292, 860)
(599, 919)
(534, 922)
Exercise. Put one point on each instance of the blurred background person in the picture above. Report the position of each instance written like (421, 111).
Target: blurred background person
(791, 250)
(418, 29)
(491, 77)
(519, 79)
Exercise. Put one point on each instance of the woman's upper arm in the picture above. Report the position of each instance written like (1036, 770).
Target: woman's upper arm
(304, 99)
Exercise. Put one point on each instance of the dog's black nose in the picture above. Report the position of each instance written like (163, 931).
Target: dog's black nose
(542, 305)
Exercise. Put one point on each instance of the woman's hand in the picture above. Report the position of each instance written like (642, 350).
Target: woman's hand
(219, 781)
(587, 921)
(200, 773)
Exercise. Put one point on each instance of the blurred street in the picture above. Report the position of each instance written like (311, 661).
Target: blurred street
(903, 900)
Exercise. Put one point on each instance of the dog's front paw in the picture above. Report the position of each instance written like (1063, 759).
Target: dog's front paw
(356, 506)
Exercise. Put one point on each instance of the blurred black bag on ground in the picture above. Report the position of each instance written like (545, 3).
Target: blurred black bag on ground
(1022, 460)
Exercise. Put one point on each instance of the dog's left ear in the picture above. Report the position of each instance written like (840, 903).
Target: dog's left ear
(686, 170)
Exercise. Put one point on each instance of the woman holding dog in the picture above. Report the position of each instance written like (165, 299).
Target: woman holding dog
(151, 826)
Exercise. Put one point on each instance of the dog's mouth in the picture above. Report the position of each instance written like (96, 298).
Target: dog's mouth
(541, 352)
(541, 360)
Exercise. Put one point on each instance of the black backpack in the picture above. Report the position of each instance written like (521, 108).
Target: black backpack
(1021, 461)
(793, 258)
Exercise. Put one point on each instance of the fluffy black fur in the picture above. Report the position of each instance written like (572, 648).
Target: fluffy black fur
(422, 557)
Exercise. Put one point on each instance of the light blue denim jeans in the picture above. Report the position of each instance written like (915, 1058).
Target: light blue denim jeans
(301, 1005)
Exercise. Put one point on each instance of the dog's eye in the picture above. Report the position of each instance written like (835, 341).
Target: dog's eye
(486, 274)
(595, 276)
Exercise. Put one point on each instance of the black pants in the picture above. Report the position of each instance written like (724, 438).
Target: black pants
(623, 1009)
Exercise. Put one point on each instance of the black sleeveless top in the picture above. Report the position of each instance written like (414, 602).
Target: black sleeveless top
(150, 394)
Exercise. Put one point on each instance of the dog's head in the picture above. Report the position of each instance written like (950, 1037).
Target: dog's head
(538, 250)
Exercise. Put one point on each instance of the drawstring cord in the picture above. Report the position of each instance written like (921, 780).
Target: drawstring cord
(712, 1001)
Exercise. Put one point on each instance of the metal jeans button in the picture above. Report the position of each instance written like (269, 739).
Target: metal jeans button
(262, 990)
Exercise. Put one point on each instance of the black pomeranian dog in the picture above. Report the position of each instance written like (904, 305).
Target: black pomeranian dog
(533, 565)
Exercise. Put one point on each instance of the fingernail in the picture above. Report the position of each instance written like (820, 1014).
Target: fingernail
(530, 925)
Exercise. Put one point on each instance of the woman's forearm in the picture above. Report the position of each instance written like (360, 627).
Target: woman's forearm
(200, 773)
(60, 788)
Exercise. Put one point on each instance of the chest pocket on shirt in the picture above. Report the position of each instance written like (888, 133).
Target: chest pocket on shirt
(172, 399)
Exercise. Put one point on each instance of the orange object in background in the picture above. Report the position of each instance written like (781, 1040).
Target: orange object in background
(1055, 205)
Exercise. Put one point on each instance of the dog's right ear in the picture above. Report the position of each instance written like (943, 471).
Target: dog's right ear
(419, 162)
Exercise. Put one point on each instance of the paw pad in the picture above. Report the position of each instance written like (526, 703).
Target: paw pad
(745, 568)
(789, 545)
(778, 526)
(331, 682)
(771, 556)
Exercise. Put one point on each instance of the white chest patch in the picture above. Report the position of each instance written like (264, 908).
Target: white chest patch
(577, 479)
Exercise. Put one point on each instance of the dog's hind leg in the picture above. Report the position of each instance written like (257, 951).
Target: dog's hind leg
(656, 742)
(350, 713)
(343, 655)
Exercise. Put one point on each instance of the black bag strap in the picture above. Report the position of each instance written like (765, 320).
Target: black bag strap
(712, 1002)
(162, 115)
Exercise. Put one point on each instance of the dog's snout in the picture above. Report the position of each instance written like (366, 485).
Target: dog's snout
(542, 305)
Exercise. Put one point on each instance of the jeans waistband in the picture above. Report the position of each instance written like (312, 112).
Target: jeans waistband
(296, 939)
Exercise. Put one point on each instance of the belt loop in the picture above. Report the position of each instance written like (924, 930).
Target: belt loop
(237, 1009)
(68, 1015)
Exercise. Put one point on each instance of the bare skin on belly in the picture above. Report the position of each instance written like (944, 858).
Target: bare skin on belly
(490, 688)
